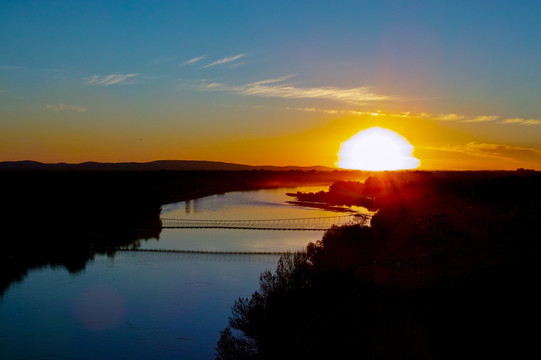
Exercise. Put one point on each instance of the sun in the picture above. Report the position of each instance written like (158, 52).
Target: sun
(377, 149)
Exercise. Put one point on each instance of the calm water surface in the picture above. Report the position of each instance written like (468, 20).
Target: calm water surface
(146, 305)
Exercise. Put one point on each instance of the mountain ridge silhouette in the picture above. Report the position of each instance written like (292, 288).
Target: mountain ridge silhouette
(176, 165)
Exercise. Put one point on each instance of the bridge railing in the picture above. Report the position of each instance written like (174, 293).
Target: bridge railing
(313, 223)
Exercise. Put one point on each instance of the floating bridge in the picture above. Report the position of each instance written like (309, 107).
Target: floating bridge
(304, 224)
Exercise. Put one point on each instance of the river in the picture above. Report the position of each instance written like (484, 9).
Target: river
(153, 305)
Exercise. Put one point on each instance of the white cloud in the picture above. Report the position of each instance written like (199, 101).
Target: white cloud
(63, 107)
(111, 79)
(225, 60)
(193, 61)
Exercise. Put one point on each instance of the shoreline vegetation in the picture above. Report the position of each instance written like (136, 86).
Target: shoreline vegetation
(447, 270)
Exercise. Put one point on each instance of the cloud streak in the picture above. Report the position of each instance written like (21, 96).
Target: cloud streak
(213, 85)
(438, 117)
(274, 88)
(449, 117)
(493, 151)
(64, 107)
(353, 95)
(193, 61)
(482, 118)
(225, 60)
(271, 81)
(531, 122)
(521, 121)
(111, 79)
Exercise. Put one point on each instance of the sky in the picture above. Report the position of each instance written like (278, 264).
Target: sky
(270, 82)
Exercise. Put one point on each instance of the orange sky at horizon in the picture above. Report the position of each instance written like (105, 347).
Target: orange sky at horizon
(318, 145)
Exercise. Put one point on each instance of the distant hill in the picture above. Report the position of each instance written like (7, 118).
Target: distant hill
(149, 166)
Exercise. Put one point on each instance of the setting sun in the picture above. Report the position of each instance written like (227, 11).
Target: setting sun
(377, 149)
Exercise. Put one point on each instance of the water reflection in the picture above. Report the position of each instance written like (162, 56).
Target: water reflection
(242, 205)
(246, 205)
(135, 305)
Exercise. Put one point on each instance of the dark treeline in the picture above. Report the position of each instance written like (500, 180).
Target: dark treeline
(447, 270)
(64, 218)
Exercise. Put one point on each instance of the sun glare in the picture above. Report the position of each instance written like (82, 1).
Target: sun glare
(377, 149)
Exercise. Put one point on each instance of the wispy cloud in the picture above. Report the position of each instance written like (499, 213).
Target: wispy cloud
(213, 85)
(353, 95)
(64, 107)
(512, 121)
(304, 109)
(463, 118)
(531, 122)
(225, 60)
(403, 115)
(271, 81)
(426, 116)
(449, 117)
(494, 151)
(274, 88)
(193, 61)
(482, 118)
(326, 111)
(485, 119)
(111, 79)
(521, 121)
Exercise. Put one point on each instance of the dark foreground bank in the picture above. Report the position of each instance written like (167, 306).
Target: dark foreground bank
(447, 270)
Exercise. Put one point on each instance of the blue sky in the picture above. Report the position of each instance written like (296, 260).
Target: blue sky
(244, 75)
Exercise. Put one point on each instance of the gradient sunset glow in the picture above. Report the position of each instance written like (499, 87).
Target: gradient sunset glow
(274, 83)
